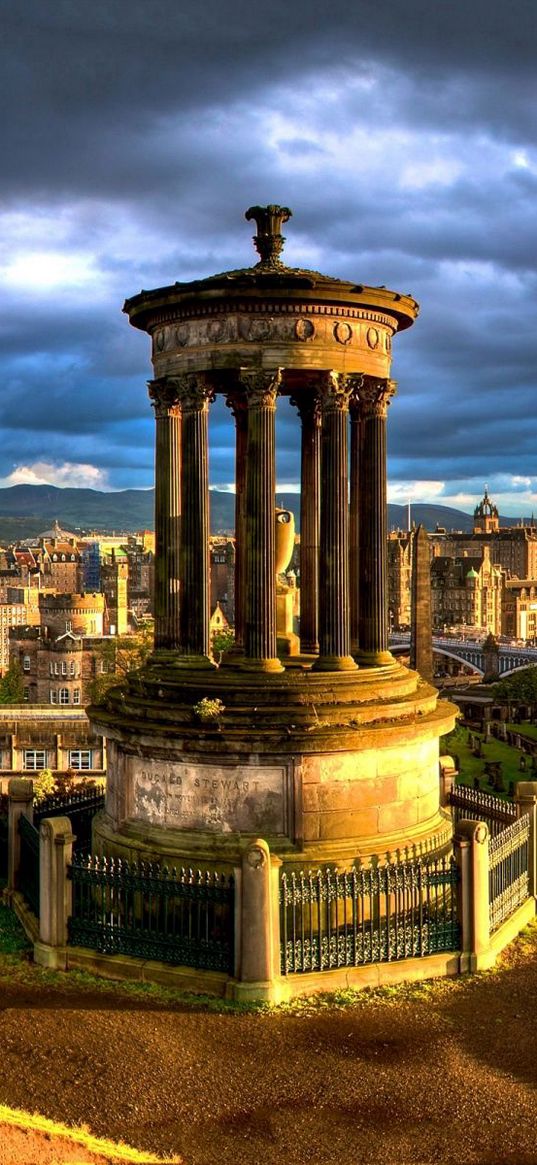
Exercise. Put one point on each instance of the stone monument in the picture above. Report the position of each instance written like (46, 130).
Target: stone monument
(331, 754)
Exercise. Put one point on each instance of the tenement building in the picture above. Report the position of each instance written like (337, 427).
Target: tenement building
(329, 750)
(467, 591)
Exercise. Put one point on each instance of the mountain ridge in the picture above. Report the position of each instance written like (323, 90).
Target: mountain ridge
(27, 510)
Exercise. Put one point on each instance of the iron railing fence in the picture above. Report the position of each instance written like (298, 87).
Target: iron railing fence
(80, 806)
(148, 911)
(402, 910)
(474, 803)
(508, 871)
(28, 876)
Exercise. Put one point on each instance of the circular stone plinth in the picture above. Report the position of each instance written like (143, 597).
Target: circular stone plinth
(324, 766)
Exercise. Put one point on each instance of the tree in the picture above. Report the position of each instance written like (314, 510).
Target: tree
(222, 641)
(116, 658)
(12, 685)
(520, 688)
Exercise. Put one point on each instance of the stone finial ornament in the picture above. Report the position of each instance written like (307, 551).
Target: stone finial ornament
(269, 239)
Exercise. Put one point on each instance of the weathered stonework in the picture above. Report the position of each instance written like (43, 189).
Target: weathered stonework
(329, 755)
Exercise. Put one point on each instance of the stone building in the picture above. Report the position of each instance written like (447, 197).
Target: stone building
(399, 579)
(520, 609)
(61, 739)
(467, 591)
(512, 547)
(58, 657)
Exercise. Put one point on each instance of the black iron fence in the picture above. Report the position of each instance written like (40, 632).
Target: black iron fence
(145, 910)
(398, 911)
(474, 803)
(80, 806)
(28, 877)
(508, 871)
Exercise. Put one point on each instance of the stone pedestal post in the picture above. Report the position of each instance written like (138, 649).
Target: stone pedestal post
(309, 410)
(448, 776)
(163, 395)
(472, 856)
(236, 401)
(55, 891)
(334, 624)
(373, 598)
(259, 551)
(195, 394)
(259, 939)
(20, 804)
(526, 802)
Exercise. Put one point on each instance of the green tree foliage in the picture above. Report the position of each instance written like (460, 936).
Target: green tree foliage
(116, 658)
(12, 685)
(520, 688)
(222, 641)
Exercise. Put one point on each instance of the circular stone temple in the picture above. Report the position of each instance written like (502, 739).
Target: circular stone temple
(330, 753)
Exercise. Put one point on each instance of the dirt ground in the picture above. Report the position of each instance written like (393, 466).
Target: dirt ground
(443, 1074)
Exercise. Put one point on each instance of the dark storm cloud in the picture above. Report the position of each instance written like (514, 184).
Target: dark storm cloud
(404, 139)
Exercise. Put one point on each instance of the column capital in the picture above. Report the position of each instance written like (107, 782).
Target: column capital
(356, 381)
(261, 387)
(163, 394)
(195, 392)
(375, 396)
(308, 406)
(237, 402)
(335, 392)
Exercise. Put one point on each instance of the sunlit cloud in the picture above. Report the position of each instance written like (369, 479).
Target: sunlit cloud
(78, 476)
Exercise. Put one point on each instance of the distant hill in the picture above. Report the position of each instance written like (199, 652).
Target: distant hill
(28, 510)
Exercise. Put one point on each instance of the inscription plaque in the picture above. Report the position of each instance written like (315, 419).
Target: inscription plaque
(238, 799)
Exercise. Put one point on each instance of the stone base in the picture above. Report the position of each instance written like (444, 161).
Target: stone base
(327, 768)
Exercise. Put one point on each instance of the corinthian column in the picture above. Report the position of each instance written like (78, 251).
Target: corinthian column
(195, 394)
(163, 396)
(354, 513)
(309, 410)
(259, 551)
(236, 401)
(334, 635)
(375, 396)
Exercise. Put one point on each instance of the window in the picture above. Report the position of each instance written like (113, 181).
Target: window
(35, 759)
(69, 625)
(72, 668)
(51, 668)
(53, 696)
(64, 696)
(76, 696)
(64, 668)
(26, 695)
(26, 663)
(80, 758)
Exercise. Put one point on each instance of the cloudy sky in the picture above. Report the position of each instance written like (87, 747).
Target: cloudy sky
(403, 136)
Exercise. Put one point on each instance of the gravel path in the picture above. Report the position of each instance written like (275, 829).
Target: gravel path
(439, 1075)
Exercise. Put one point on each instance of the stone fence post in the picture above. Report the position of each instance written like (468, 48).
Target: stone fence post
(472, 857)
(526, 802)
(448, 775)
(55, 891)
(20, 804)
(257, 972)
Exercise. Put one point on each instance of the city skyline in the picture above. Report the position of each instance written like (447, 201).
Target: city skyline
(406, 150)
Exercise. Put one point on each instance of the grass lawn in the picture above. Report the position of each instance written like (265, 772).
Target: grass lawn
(527, 730)
(471, 766)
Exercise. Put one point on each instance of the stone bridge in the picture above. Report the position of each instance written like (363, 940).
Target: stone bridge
(470, 652)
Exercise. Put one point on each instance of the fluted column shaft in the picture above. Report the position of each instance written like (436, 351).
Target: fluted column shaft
(354, 517)
(309, 410)
(236, 401)
(373, 594)
(259, 552)
(334, 630)
(195, 395)
(163, 396)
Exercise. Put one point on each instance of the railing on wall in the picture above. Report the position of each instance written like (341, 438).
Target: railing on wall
(508, 871)
(28, 879)
(80, 806)
(145, 910)
(398, 911)
(474, 803)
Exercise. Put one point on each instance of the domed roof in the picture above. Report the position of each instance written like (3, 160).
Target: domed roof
(472, 573)
(268, 276)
